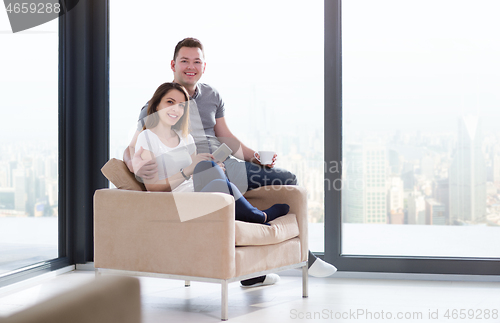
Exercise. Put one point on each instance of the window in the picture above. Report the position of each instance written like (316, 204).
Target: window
(28, 145)
(266, 64)
(420, 107)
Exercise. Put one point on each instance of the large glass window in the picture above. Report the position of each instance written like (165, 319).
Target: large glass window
(28, 145)
(421, 145)
(264, 57)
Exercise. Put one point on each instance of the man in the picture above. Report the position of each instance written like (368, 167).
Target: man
(243, 169)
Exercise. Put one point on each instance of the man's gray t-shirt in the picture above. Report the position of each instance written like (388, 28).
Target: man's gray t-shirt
(209, 106)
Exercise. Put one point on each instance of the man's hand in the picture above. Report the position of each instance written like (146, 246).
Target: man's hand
(146, 169)
(222, 166)
(257, 161)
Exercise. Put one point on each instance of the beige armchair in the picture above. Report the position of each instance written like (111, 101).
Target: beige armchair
(194, 236)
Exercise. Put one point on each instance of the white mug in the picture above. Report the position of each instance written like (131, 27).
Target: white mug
(266, 157)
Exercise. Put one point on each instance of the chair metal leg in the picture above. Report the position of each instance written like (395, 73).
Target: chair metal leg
(305, 281)
(224, 301)
(187, 283)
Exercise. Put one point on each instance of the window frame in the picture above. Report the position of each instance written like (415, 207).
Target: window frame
(333, 198)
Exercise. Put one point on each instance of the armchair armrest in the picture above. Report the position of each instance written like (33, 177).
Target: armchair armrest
(295, 196)
(142, 231)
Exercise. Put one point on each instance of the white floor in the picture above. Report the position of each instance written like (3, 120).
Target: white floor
(329, 298)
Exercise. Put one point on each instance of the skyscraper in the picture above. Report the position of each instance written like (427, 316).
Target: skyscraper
(416, 208)
(441, 192)
(395, 200)
(353, 199)
(434, 212)
(366, 191)
(468, 174)
(19, 178)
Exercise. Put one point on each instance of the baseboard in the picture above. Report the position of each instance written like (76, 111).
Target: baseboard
(408, 276)
(16, 287)
(401, 276)
(89, 266)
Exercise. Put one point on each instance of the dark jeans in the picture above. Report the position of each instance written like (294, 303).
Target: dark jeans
(263, 176)
(247, 176)
(209, 177)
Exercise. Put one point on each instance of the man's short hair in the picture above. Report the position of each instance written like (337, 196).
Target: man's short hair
(188, 42)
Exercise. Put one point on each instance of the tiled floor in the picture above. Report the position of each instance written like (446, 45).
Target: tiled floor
(353, 299)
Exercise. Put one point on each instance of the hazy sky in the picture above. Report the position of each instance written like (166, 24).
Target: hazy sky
(419, 64)
(413, 64)
(28, 82)
(264, 57)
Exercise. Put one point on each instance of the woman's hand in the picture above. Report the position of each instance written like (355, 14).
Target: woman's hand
(196, 159)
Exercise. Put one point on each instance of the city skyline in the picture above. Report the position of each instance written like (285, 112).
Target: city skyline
(425, 168)
(29, 179)
(437, 174)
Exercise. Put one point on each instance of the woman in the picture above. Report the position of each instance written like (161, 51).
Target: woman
(165, 137)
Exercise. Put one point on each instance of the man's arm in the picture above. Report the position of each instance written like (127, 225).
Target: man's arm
(129, 152)
(130, 157)
(239, 149)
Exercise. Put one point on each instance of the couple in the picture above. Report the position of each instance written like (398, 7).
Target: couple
(165, 135)
(245, 172)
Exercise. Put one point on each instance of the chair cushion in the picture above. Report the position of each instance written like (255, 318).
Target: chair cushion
(117, 172)
(254, 234)
(252, 259)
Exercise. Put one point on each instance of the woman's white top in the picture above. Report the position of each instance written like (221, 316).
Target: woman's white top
(169, 160)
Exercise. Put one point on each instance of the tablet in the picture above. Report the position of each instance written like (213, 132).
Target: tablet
(222, 153)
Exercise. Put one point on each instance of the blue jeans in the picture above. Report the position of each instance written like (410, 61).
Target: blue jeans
(209, 177)
(248, 176)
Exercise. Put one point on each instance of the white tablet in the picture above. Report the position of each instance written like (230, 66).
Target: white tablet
(222, 153)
